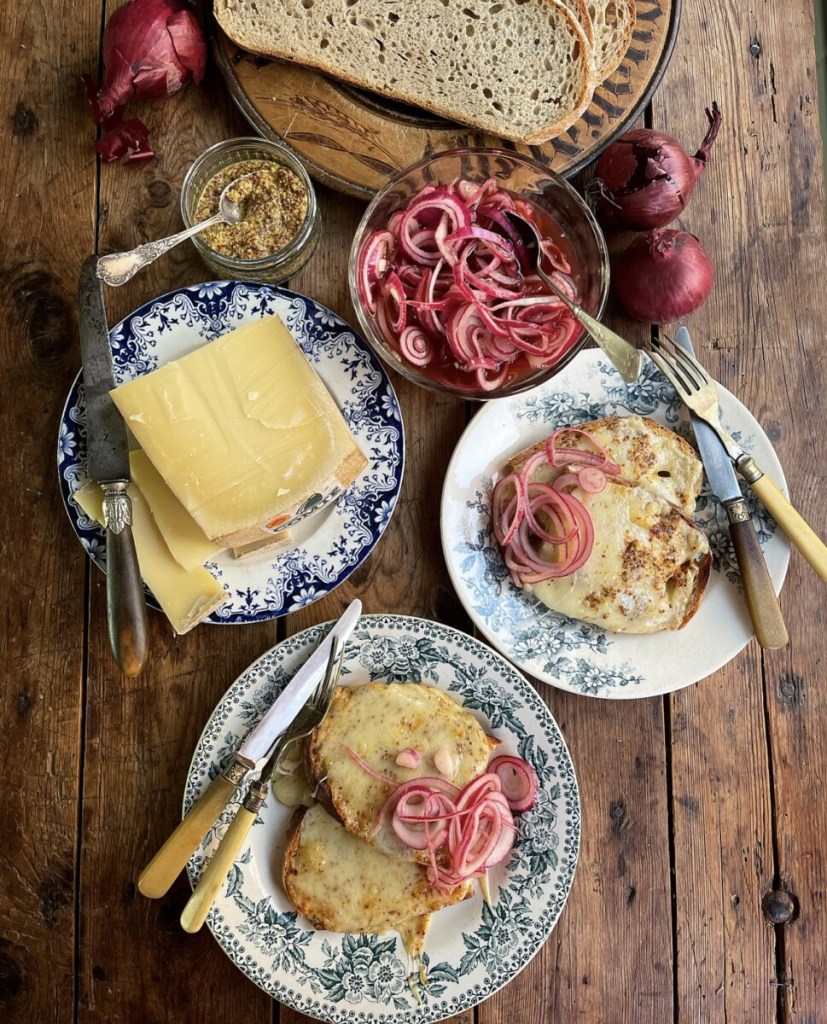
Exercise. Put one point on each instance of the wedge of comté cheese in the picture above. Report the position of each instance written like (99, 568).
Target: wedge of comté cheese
(187, 596)
(244, 433)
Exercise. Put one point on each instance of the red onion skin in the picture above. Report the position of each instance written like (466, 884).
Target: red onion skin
(151, 49)
(645, 179)
(663, 276)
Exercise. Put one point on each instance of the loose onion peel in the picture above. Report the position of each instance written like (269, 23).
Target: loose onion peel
(151, 49)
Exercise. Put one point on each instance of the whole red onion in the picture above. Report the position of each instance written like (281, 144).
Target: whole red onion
(663, 276)
(151, 49)
(644, 179)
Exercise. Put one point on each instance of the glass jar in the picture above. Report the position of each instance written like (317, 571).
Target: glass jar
(525, 178)
(278, 266)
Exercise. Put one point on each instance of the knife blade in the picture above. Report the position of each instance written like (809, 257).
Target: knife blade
(762, 602)
(108, 464)
(169, 861)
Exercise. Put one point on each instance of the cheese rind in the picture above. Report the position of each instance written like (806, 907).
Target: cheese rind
(186, 597)
(244, 432)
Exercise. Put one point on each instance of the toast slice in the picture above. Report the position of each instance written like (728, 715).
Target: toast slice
(521, 69)
(650, 563)
(376, 722)
(342, 884)
(613, 22)
(647, 453)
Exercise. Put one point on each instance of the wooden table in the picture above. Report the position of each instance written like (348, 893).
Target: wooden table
(701, 892)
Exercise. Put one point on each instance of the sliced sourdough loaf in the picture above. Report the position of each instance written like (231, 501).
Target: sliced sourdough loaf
(521, 69)
(580, 9)
(613, 22)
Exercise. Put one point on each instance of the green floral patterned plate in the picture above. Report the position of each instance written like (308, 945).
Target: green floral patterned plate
(562, 651)
(473, 949)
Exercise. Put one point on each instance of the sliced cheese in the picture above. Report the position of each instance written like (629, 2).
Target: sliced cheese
(186, 597)
(244, 433)
(187, 542)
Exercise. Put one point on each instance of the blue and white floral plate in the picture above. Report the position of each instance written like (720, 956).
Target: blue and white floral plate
(328, 546)
(472, 949)
(562, 651)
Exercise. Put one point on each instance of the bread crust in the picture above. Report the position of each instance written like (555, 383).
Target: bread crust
(434, 103)
(626, 20)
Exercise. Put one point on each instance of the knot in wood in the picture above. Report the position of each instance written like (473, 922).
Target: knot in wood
(778, 906)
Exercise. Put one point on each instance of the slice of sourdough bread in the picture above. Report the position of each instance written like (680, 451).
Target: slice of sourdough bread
(613, 22)
(580, 9)
(521, 69)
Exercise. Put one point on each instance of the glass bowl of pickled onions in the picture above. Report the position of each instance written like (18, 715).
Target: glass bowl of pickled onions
(444, 288)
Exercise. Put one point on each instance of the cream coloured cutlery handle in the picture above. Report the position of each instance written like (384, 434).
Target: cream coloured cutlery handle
(215, 873)
(789, 519)
(170, 860)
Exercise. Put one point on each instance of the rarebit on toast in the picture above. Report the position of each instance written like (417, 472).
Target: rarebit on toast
(352, 753)
(343, 884)
(650, 563)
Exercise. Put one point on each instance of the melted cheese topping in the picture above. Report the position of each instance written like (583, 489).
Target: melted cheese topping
(649, 562)
(643, 572)
(377, 721)
(342, 884)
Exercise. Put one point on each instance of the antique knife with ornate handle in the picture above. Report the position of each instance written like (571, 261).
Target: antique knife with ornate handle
(108, 464)
(765, 612)
(169, 861)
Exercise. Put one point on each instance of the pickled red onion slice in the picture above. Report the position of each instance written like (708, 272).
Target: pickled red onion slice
(450, 263)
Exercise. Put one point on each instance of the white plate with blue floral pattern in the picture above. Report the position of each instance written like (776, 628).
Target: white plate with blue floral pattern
(472, 949)
(561, 651)
(326, 547)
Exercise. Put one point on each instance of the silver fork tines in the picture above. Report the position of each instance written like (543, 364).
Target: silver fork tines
(696, 389)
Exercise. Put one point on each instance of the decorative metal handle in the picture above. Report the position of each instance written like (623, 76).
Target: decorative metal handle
(125, 602)
(764, 610)
(117, 268)
(625, 358)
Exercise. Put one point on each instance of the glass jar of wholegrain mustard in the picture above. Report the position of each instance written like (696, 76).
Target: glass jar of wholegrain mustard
(281, 224)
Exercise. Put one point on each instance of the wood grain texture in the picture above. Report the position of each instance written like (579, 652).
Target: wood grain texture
(48, 201)
(737, 747)
(610, 956)
(701, 812)
(135, 962)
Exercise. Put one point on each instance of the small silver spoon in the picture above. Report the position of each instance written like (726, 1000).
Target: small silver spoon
(118, 267)
(627, 360)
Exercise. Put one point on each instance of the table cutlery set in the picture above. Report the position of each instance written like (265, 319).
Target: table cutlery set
(299, 709)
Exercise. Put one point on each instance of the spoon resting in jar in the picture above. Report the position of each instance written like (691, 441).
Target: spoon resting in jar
(119, 267)
(626, 359)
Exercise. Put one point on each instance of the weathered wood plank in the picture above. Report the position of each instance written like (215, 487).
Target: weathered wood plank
(47, 217)
(759, 210)
(135, 962)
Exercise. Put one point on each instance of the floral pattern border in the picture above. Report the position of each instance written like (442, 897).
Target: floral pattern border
(563, 651)
(345, 978)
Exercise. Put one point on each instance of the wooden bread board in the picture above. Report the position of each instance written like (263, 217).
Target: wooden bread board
(352, 140)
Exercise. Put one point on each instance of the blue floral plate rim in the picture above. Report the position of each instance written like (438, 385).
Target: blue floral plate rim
(327, 547)
(563, 652)
(472, 949)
